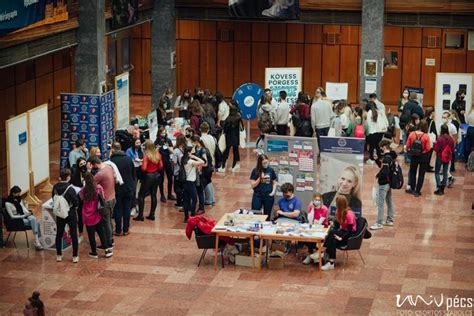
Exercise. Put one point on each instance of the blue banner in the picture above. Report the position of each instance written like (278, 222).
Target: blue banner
(342, 145)
(16, 14)
(274, 145)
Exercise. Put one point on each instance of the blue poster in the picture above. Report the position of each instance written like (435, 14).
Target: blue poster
(86, 117)
(274, 145)
(22, 138)
(247, 97)
(16, 14)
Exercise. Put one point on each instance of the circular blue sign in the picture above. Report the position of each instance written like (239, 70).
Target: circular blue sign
(247, 97)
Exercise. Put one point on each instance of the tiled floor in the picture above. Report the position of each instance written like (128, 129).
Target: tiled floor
(429, 251)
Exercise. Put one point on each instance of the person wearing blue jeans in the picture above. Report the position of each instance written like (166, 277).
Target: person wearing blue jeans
(384, 192)
(209, 195)
(443, 148)
(263, 182)
(190, 163)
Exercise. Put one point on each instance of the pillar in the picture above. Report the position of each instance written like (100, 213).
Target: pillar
(90, 51)
(163, 44)
(372, 47)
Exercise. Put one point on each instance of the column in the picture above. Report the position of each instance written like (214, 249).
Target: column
(90, 51)
(163, 44)
(372, 48)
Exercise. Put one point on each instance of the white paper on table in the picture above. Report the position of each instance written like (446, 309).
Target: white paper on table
(220, 227)
(319, 234)
(285, 178)
(268, 230)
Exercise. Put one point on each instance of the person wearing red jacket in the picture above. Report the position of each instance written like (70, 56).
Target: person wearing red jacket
(418, 163)
(151, 167)
(444, 147)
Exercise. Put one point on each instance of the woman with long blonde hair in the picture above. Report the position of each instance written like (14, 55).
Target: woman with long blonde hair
(151, 167)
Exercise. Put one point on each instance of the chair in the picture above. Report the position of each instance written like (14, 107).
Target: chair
(206, 242)
(355, 242)
(14, 225)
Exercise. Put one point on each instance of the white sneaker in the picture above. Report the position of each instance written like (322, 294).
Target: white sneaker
(307, 260)
(376, 226)
(314, 257)
(237, 167)
(59, 258)
(221, 170)
(133, 212)
(75, 259)
(388, 223)
(38, 245)
(328, 266)
(370, 162)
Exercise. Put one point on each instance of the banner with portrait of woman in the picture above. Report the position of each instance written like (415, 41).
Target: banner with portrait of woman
(342, 160)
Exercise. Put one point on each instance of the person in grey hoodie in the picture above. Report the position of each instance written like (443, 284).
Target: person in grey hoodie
(321, 114)
(282, 115)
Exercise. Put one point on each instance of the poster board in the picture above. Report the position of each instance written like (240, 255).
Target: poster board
(122, 101)
(18, 159)
(39, 142)
(152, 125)
(294, 160)
(337, 90)
(342, 163)
(447, 84)
(287, 79)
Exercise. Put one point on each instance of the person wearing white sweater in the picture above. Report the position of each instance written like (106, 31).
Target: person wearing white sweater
(222, 109)
(282, 115)
(321, 113)
(378, 124)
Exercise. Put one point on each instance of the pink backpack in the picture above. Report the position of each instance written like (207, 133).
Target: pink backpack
(359, 131)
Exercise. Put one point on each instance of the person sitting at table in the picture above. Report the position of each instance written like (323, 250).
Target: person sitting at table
(344, 226)
(289, 207)
(16, 208)
(316, 210)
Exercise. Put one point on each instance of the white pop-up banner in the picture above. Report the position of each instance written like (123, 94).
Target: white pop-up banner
(122, 101)
(287, 79)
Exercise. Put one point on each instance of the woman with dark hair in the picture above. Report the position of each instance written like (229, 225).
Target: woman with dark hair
(403, 100)
(204, 171)
(344, 227)
(34, 306)
(182, 103)
(77, 180)
(301, 116)
(161, 112)
(459, 105)
(166, 150)
(378, 125)
(432, 133)
(89, 195)
(176, 162)
(263, 181)
(232, 126)
(196, 111)
(444, 147)
(135, 152)
(418, 158)
(190, 163)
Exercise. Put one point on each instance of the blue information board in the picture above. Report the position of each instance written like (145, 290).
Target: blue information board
(247, 97)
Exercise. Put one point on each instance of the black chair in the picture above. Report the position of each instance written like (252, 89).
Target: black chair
(206, 242)
(355, 242)
(14, 225)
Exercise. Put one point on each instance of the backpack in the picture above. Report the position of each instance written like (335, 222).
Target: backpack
(359, 131)
(182, 177)
(470, 162)
(395, 177)
(60, 204)
(405, 118)
(446, 154)
(296, 120)
(416, 148)
(212, 123)
(265, 124)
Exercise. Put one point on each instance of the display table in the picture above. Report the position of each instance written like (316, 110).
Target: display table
(245, 226)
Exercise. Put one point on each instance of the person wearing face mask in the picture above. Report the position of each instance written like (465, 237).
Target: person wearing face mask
(204, 172)
(453, 132)
(16, 208)
(189, 133)
(136, 154)
(182, 103)
(166, 150)
(79, 151)
(289, 207)
(77, 180)
(263, 182)
(315, 210)
(161, 112)
(459, 105)
(191, 164)
(403, 100)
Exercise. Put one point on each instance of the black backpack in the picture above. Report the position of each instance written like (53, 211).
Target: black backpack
(296, 120)
(416, 148)
(396, 176)
(265, 122)
(405, 118)
(182, 177)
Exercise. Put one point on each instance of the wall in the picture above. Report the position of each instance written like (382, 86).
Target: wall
(29, 84)
(140, 58)
(223, 55)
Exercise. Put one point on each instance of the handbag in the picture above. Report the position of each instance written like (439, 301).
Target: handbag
(221, 143)
(243, 137)
(332, 132)
(101, 207)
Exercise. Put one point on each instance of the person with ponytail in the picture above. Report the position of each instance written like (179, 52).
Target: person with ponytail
(378, 125)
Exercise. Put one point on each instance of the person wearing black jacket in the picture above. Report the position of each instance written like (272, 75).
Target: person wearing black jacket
(459, 105)
(430, 116)
(383, 180)
(232, 126)
(344, 227)
(123, 193)
(411, 107)
(64, 188)
(77, 180)
(166, 150)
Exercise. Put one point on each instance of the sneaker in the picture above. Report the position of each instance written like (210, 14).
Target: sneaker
(221, 170)
(171, 197)
(307, 260)
(236, 167)
(126, 233)
(451, 180)
(417, 194)
(38, 245)
(200, 212)
(388, 223)
(314, 257)
(59, 258)
(409, 191)
(139, 218)
(103, 248)
(370, 161)
(376, 226)
(150, 217)
(108, 252)
(438, 192)
(178, 205)
(133, 212)
(117, 234)
(75, 259)
(328, 266)
(93, 255)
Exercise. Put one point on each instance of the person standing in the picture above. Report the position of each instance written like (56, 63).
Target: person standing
(77, 180)
(459, 105)
(419, 154)
(124, 192)
(378, 125)
(166, 150)
(380, 105)
(301, 116)
(93, 220)
(469, 145)
(403, 100)
(136, 154)
(232, 126)
(282, 116)
(263, 181)
(444, 147)
(63, 188)
(79, 151)
(182, 103)
(321, 114)
(151, 167)
(223, 109)
(176, 161)
(105, 177)
(432, 133)
(384, 190)
(190, 163)
(210, 143)
(204, 172)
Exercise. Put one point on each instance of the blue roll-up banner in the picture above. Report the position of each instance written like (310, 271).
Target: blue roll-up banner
(16, 14)
(247, 97)
(342, 161)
